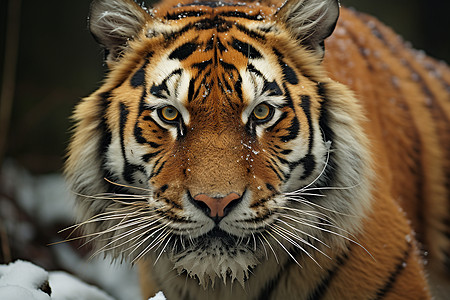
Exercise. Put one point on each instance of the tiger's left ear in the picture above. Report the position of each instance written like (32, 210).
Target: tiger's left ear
(310, 21)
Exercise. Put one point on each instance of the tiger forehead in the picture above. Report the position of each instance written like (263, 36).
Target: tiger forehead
(215, 45)
(211, 9)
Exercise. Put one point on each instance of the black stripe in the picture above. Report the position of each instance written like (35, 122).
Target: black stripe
(402, 263)
(157, 90)
(156, 173)
(317, 294)
(184, 14)
(238, 88)
(332, 168)
(146, 157)
(106, 136)
(184, 51)
(306, 106)
(227, 87)
(322, 287)
(293, 130)
(271, 188)
(227, 66)
(273, 88)
(174, 35)
(202, 84)
(251, 68)
(246, 49)
(324, 118)
(128, 168)
(250, 33)
(191, 90)
(138, 78)
(202, 65)
(269, 86)
(221, 47)
(240, 14)
(288, 73)
(270, 166)
(309, 165)
(217, 23)
(281, 118)
(212, 4)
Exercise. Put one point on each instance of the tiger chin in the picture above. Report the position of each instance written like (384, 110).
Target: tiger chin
(245, 151)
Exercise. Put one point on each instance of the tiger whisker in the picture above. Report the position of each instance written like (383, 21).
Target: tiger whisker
(152, 243)
(127, 233)
(343, 188)
(128, 186)
(105, 216)
(312, 204)
(305, 233)
(308, 222)
(264, 247)
(270, 246)
(162, 250)
(284, 248)
(294, 243)
(315, 214)
(334, 233)
(119, 225)
(302, 194)
(328, 143)
(77, 226)
(295, 236)
(155, 243)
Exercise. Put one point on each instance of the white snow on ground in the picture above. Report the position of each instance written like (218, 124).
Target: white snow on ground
(67, 287)
(23, 280)
(47, 198)
(158, 296)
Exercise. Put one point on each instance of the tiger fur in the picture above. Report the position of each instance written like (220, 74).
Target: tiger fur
(232, 157)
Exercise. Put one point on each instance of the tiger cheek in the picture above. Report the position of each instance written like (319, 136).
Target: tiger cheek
(168, 181)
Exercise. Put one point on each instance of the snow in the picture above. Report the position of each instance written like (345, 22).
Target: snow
(67, 287)
(158, 296)
(46, 198)
(23, 280)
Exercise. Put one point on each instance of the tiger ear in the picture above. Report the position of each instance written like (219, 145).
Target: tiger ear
(310, 21)
(113, 23)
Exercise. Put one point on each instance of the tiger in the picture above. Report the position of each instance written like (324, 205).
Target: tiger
(264, 150)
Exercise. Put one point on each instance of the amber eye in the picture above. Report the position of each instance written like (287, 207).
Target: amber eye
(262, 112)
(168, 113)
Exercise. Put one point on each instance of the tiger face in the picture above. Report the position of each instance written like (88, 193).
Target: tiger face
(211, 146)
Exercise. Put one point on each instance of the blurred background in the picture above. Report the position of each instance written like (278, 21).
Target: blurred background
(49, 61)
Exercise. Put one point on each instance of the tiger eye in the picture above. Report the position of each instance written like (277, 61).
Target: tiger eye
(262, 111)
(169, 113)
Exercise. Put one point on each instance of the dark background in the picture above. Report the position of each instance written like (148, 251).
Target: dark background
(58, 63)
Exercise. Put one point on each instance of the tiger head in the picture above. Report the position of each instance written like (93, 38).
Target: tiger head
(217, 141)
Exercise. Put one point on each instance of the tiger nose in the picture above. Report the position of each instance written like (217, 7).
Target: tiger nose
(217, 207)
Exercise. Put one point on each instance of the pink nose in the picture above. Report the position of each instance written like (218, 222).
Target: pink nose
(217, 206)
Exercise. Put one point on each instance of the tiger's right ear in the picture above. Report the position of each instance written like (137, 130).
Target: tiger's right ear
(310, 21)
(113, 23)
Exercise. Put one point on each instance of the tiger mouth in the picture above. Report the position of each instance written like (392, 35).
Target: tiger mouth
(210, 239)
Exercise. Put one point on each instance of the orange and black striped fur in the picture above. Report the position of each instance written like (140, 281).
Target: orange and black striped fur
(232, 157)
